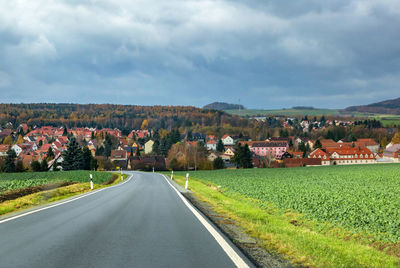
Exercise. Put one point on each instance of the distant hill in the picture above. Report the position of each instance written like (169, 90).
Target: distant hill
(223, 106)
(112, 116)
(383, 107)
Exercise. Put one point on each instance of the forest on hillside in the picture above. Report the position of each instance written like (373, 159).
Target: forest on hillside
(114, 116)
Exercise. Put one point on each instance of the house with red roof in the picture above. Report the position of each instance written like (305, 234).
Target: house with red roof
(211, 145)
(320, 154)
(228, 140)
(117, 155)
(3, 149)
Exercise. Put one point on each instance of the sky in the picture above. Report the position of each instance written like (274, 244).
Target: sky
(267, 54)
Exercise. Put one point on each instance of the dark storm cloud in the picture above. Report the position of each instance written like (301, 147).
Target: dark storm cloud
(269, 54)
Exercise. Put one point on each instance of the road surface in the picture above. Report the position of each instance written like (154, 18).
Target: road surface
(142, 223)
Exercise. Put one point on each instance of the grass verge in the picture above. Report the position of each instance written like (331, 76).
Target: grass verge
(289, 234)
(46, 197)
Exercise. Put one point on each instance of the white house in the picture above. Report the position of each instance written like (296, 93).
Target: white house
(228, 140)
(211, 145)
(148, 147)
(18, 148)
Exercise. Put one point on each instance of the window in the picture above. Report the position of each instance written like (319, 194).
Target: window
(366, 156)
(361, 156)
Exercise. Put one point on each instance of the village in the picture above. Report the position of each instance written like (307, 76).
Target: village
(145, 149)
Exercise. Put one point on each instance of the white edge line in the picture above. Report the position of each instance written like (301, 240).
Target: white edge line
(64, 202)
(237, 260)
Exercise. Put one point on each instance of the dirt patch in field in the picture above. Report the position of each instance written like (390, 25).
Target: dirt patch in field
(11, 195)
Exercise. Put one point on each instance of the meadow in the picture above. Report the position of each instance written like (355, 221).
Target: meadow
(15, 181)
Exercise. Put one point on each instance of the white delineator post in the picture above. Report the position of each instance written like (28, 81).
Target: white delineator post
(187, 181)
(172, 175)
(91, 181)
(120, 170)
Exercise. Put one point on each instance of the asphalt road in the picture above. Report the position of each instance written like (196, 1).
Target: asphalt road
(142, 223)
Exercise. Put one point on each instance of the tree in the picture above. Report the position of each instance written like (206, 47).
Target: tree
(396, 139)
(145, 124)
(8, 140)
(156, 148)
(9, 162)
(220, 146)
(137, 152)
(44, 165)
(317, 144)
(35, 166)
(20, 140)
(19, 167)
(50, 155)
(40, 143)
(87, 158)
(65, 132)
(99, 151)
(242, 157)
(73, 159)
(174, 165)
(218, 163)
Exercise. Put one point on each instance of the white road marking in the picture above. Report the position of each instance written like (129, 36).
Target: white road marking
(237, 260)
(62, 203)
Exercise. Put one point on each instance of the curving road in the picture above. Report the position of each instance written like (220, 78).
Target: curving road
(141, 223)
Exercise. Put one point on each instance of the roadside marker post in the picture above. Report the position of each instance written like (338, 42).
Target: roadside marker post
(172, 175)
(153, 169)
(91, 181)
(187, 181)
(120, 170)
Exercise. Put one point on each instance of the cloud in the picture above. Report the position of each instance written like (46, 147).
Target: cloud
(195, 52)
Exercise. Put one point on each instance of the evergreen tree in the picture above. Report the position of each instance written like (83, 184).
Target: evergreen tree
(220, 146)
(19, 167)
(218, 163)
(242, 157)
(93, 164)
(99, 151)
(35, 166)
(44, 165)
(40, 143)
(9, 162)
(65, 132)
(156, 147)
(73, 159)
(50, 155)
(317, 144)
(87, 158)
(107, 146)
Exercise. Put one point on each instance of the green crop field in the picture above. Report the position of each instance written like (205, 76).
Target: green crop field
(362, 199)
(14, 181)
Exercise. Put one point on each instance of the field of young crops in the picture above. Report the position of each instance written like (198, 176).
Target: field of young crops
(14, 181)
(364, 198)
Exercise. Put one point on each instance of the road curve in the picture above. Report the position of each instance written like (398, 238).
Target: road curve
(142, 223)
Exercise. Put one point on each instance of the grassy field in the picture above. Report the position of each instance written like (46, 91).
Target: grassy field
(14, 181)
(339, 216)
(388, 120)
